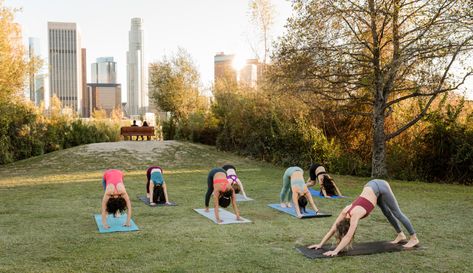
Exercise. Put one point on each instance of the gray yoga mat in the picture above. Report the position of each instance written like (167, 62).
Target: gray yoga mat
(358, 249)
(240, 198)
(226, 216)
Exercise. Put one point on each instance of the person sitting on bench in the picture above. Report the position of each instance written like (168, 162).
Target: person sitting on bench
(224, 194)
(293, 188)
(317, 174)
(156, 189)
(376, 192)
(115, 198)
(235, 181)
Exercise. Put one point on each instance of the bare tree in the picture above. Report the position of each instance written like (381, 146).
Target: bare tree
(376, 54)
(262, 15)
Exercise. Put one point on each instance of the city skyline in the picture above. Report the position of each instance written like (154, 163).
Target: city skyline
(202, 28)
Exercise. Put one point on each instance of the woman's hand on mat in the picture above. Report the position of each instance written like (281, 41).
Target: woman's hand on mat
(168, 203)
(207, 209)
(315, 246)
(331, 253)
(219, 221)
(299, 215)
(127, 224)
(106, 226)
(238, 218)
(152, 204)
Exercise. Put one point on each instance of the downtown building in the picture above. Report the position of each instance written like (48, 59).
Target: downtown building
(103, 92)
(248, 74)
(66, 65)
(38, 81)
(137, 91)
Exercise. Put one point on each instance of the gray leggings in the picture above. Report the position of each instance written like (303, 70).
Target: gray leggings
(389, 206)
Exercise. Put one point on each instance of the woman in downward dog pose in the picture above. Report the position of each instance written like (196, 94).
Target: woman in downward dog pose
(156, 189)
(317, 174)
(235, 181)
(376, 192)
(294, 189)
(115, 198)
(223, 192)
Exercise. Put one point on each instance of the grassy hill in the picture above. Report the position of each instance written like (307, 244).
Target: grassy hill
(47, 204)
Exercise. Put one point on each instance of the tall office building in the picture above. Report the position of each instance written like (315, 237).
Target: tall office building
(33, 54)
(65, 64)
(85, 92)
(104, 71)
(223, 67)
(137, 91)
(104, 96)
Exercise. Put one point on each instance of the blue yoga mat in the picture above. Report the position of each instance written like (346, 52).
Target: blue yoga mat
(115, 223)
(317, 193)
(292, 211)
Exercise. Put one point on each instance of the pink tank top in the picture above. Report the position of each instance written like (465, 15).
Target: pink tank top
(113, 177)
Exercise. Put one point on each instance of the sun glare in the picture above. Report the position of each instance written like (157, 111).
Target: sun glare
(238, 62)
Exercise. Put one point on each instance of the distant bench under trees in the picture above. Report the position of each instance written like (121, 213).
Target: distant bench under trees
(130, 131)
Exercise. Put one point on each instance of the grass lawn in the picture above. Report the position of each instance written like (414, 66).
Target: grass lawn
(47, 205)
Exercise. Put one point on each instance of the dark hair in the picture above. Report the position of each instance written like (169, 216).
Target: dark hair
(329, 185)
(228, 166)
(116, 204)
(158, 194)
(225, 199)
(302, 201)
(236, 187)
(342, 229)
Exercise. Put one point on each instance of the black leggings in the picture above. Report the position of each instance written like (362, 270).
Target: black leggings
(210, 184)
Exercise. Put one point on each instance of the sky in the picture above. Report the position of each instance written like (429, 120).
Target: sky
(202, 27)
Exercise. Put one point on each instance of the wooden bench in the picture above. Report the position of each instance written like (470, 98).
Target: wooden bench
(130, 131)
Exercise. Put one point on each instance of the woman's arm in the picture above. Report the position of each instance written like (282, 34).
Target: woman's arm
(346, 239)
(104, 210)
(217, 216)
(165, 189)
(241, 187)
(234, 205)
(295, 198)
(311, 201)
(331, 231)
(151, 192)
(128, 206)
(339, 193)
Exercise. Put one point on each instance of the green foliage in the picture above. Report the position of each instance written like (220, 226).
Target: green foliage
(25, 132)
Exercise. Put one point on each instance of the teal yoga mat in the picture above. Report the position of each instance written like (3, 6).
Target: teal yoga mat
(292, 211)
(115, 223)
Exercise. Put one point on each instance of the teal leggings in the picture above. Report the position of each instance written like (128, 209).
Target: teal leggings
(286, 191)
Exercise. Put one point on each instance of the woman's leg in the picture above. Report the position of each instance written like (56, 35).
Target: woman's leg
(286, 186)
(389, 200)
(210, 188)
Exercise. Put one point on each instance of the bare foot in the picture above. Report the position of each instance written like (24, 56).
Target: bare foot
(289, 205)
(399, 238)
(413, 241)
(283, 205)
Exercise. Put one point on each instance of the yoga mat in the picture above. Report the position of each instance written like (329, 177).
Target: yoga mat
(240, 198)
(317, 193)
(115, 223)
(358, 249)
(226, 216)
(292, 211)
(145, 200)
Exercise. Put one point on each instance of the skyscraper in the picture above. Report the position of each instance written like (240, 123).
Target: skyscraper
(104, 71)
(33, 54)
(137, 91)
(65, 64)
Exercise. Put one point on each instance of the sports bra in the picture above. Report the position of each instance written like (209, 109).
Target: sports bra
(233, 178)
(113, 177)
(223, 181)
(364, 203)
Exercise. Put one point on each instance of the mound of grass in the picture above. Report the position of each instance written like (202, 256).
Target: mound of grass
(48, 202)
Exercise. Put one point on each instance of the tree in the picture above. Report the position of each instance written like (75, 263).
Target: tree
(174, 85)
(262, 15)
(13, 67)
(368, 57)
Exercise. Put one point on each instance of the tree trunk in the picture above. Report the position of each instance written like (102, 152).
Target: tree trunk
(378, 161)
